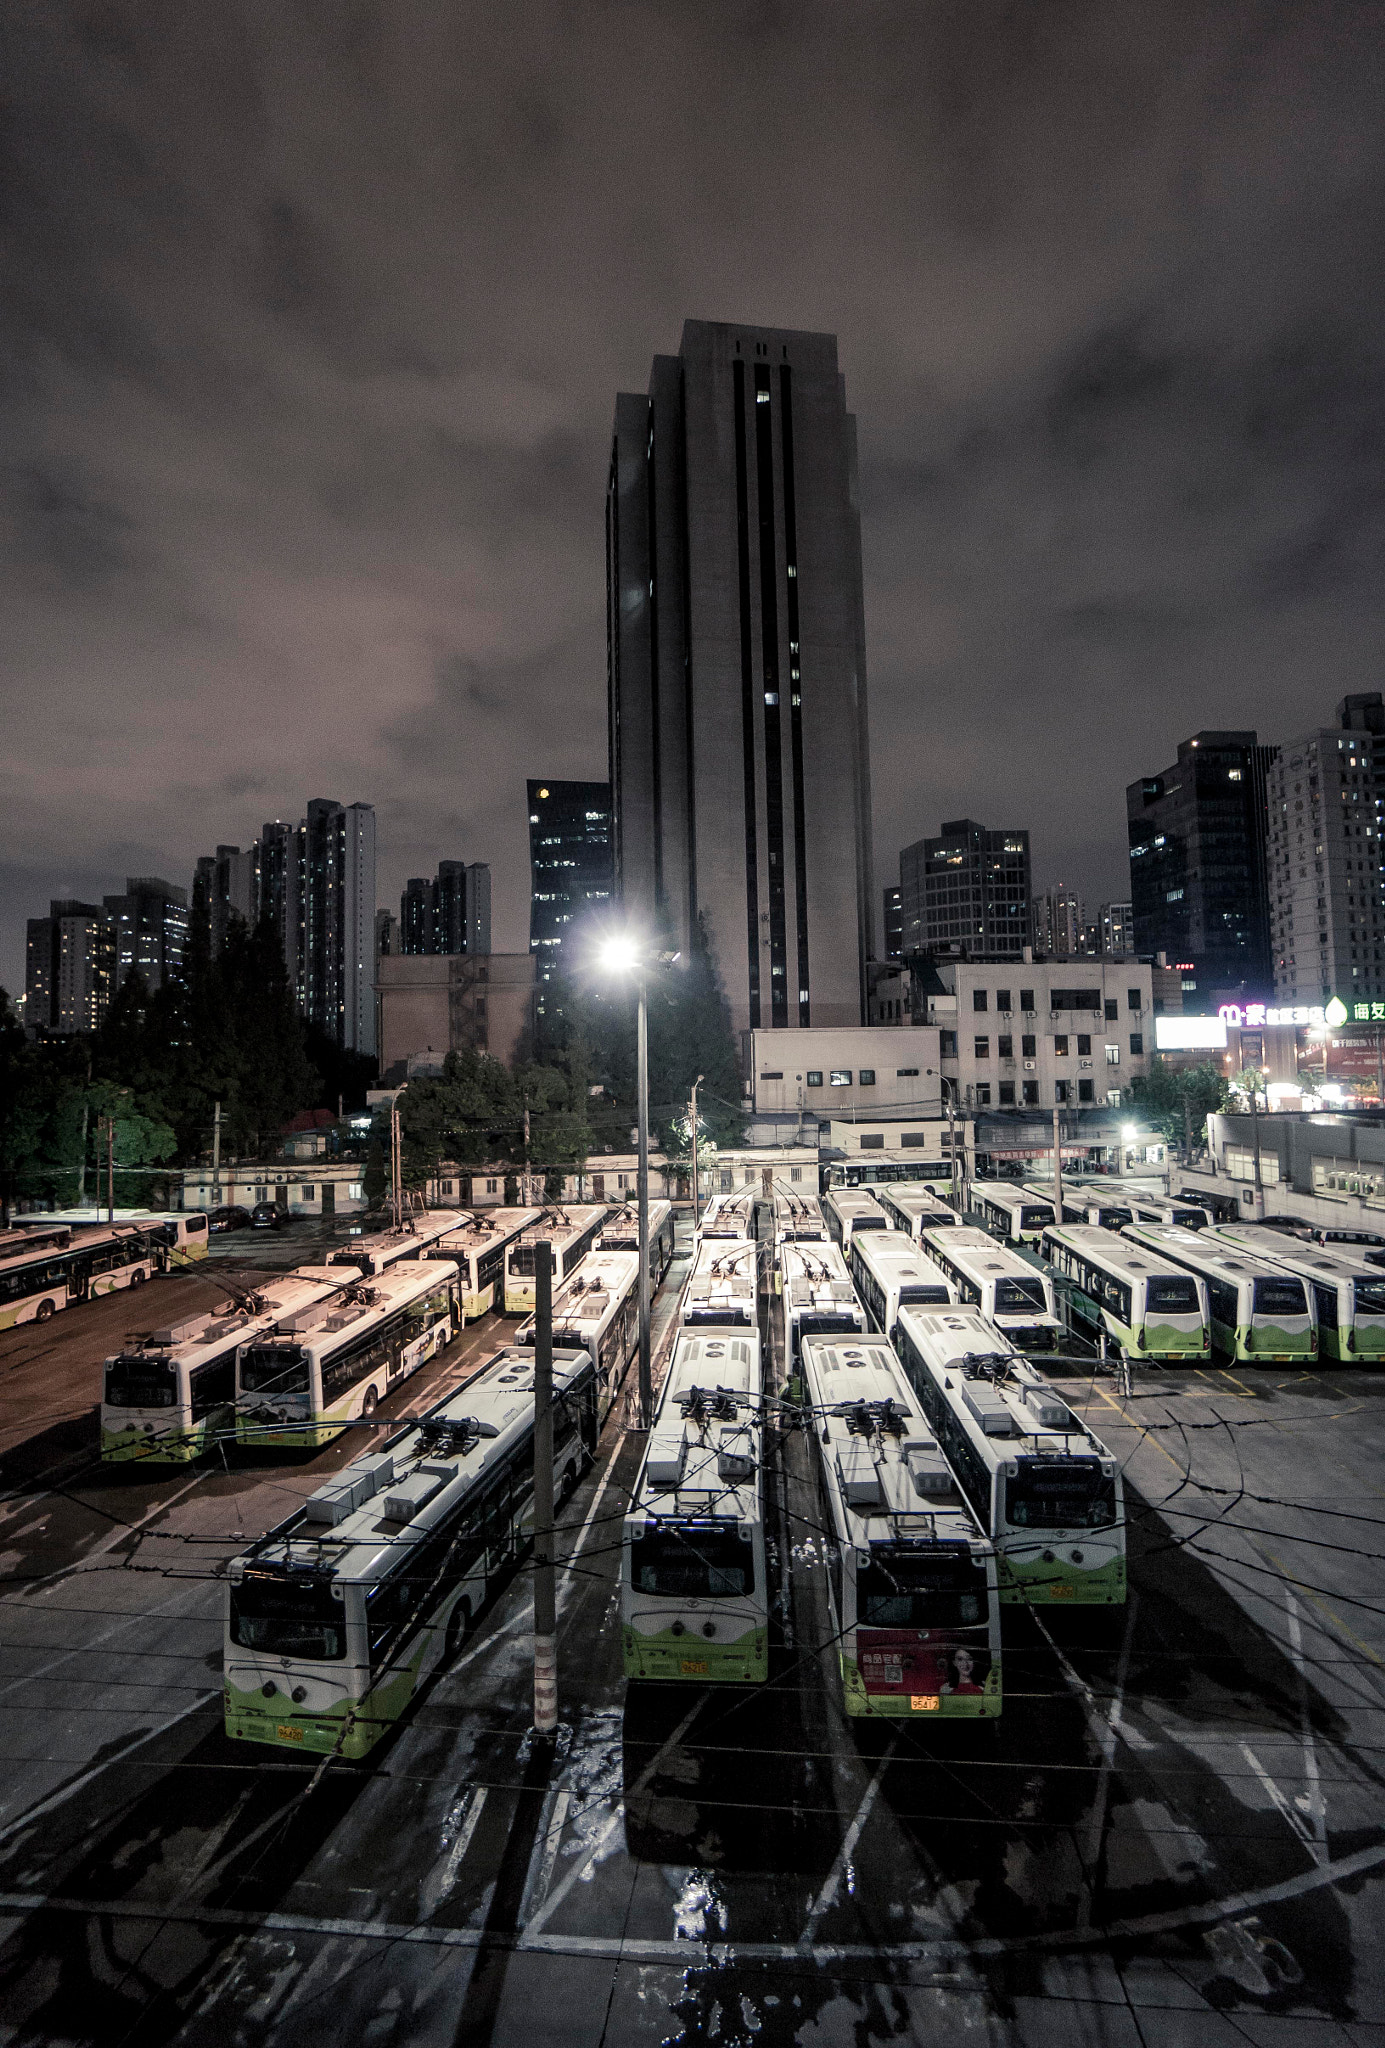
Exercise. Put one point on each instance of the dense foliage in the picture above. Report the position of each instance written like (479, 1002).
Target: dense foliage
(1178, 1100)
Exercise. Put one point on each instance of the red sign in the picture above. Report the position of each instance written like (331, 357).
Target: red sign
(921, 1660)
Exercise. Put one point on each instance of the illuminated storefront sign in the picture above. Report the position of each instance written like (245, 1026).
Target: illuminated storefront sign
(1189, 1034)
(1255, 1016)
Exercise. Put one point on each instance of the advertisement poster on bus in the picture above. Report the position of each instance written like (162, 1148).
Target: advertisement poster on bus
(936, 1663)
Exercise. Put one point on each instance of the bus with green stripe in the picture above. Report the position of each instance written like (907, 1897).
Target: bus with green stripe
(477, 1248)
(375, 1253)
(1044, 1487)
(56, 1265)
(1103, 1207)
(570, 1233)
(1011, 1212)
(912, 1595)
(694, 1594)
(1260, 1313)
(621, 1233)
(170, 1396)
(914, 1209)
(598, 1310)
(889, 1271)
(301, 1383)
(338, 1616)
(1008, 1288)
(1348, 1293)
(1148, 1307)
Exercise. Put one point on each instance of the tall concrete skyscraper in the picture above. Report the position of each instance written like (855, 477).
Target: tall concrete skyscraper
(736, 673)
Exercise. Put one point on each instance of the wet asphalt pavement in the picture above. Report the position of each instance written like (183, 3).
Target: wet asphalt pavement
(1175, 1835)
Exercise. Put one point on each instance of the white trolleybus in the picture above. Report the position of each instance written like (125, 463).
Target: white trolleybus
(1045, 1489)
(375, 1254)
(819, 1299)
(1260, 1313)
(597, 1310)
(724, 1284)
(890, 1272)
(478, 1249)
(1104, 1207)
(1010, 1211)
(1349, 1294)
(730, 1215)
(621, 1233)
(571, 1233)
(299, 1384)
(913, 1594)
(916, 1209)
(51, 1267)
(1150, 1203)
(1148, 1307)
(183, 1232)
(798, 1219)
(694, 1593)
(847, 1210)
(168, 1397)
(1008, 1290)
(336, 1618)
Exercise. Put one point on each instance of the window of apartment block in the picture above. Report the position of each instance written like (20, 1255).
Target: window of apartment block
(307, 1192)
(947, 1045)
(978, 999)
(1137, 1044)
(1060, 1045)
(1005, 1046)
(1084, 1091)
(1113, 1098)
(814, 1077)
(981, 1048)
(1007, 1094)
(1113, 1055)
(1132, 997)
(1113, 1009)
(873, 1141)
(983, 1094)
(866, 1077)
(1060, 1091)
(1084, 1045)
(911, 1073)
(1002, 998)
(1026, 998)
(1030, 1094)
(795, 1173)
(839, 1077)
(1027, 1045)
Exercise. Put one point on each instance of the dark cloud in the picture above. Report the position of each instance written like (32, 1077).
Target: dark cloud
(314, 316)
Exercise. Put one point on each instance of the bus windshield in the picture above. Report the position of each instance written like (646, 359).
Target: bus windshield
(903, 1589)
(266, 1371)
(141, 1383)
(935, 1295)
(691, 1563)
(1060, 1493)
(1013, 1297)
(1175, 1296)
(1112, 1219)
(1191, 1219)
(1280, 1298)
(1034, 1217)
(1370, 1297)
(288, 1618)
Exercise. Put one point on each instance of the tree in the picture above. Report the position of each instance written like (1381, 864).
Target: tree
(1177, 1101)
(373, 1180)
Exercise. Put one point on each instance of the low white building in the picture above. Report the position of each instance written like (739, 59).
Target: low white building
(613, 1177)
(1040, 1034)
(323, 1188)
(854, 1072)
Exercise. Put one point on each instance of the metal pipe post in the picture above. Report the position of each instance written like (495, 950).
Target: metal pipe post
(110, 1169)
(1255, 1141)
(692, 1128)
(545, 1593)
(646, 1383)
(1057, 1169)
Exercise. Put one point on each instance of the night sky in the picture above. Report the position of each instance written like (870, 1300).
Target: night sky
(313, 317)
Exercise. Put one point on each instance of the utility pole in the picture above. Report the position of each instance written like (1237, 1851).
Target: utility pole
(692, 1140)
(1255, 1139)
(1057, 1169)
(396, 1167)
(642, 1077)
(110, 1169)
(526, 1194)
(545, 1592)
(216, 1154)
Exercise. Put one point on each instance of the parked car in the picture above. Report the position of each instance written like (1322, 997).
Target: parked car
(269, 1216)
(230, 1216)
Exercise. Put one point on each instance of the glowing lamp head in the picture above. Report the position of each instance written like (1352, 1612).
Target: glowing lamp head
(619, 954)
(1129, 1133)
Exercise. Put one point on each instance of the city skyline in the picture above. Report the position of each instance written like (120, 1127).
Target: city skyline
(1135, 477)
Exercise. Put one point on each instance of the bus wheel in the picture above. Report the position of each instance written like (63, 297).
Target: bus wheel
(569, 1479)
(44, 1312)
(368, 1405)
(458, 1629)
(137, 1279)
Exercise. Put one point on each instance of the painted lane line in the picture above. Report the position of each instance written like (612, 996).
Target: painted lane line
(1287, 1813)
(65, 1792)
(456, 1855)
(1316, 1805)
(567, 1562)
(545, 1853)
(827, 1896)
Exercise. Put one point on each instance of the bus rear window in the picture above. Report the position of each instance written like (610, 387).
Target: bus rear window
(691, 1564)
(1174, 1296)
(827, 1326)
(196, 1226)
(265, 1371)
(1013, 1297)
(141, 1383)
(1112, 1219)
(281, 1618)
(1032, 1217)
(900, 1590)
(1191, 1219)
(935, 1296)
(1280, 1298)
(1370, 1297)
(1060, 1493)
(739, 1318)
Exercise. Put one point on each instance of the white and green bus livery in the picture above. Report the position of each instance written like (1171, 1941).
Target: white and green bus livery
(1147, 1306)
(376, 1253)
(1010, 1292)
(570, 1233)
(913, 1597)
(621, 1233)
(1260, 1313)
(597, 1310)
(1045, 1489)
(55, 1265)
(478, 1251)
(694, 1594)
(299, 1384)
(168, 1397)
(724, 1285)
(890, 1270)
(336, 1617)
(847, 1210)
(818, 1297)
(1010, 1211)
(914, 1209)
(1105, 1208)
(1349, 1294)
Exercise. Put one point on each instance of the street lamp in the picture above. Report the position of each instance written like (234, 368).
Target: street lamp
(622, 954)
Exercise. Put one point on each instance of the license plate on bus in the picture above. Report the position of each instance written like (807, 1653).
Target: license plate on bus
(288, 1734)
(694, 1667)
(924, 1702)
(1060, 1592)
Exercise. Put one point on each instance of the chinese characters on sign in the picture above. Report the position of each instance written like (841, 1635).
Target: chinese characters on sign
(1255, 1015)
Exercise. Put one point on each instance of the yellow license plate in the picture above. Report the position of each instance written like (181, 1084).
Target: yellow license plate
(694, 1667)
(1060, 1592)
(288, 1734)
(924, 1702)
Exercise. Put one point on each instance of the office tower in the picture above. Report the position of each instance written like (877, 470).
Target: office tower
(150, 928)
(1060, 929)
(1117, 930)
(1197, 867)
(224, 887)
(280, 853)
(1326, 878)
(966, 893)
(417, 915)
(739, 763)
(339, 921)
(69, 967)
(894, 925)
(569, 865)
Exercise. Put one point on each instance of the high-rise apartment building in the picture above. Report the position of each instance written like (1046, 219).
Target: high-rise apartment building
(966, 893)
(1197, 866)
(1117, 928)
(225, 886)
(416, 915)
(739, 757)
(69, 971)
(1060, 927)
(893, 926)
(149, 925)
(280, 854)
(569, 865)
(449, 913)
(1326, 813)
(339, 921)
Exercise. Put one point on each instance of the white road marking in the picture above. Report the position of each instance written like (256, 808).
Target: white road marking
(545, 1853)
(827, 1896)
(456, 1855)
(1316, 1804)
(1287, 1812)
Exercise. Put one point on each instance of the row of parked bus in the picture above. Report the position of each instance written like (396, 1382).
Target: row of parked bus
(291, 1362)
(56, 1261)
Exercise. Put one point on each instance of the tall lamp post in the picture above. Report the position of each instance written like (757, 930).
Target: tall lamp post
(624, 955)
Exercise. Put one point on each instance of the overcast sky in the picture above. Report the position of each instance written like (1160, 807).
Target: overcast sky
(313, 315)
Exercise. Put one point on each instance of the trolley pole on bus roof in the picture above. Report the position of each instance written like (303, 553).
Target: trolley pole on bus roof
(545, 1596)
